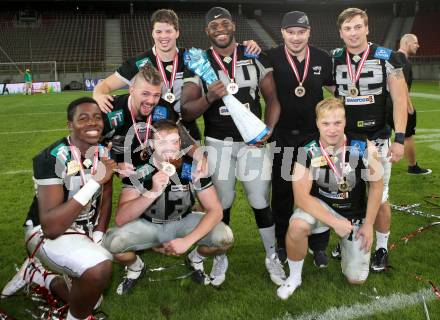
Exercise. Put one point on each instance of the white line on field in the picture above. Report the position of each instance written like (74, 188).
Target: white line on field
(382, 305)
(425, 95)
(15, 172)
(435, 110)
(32, 131)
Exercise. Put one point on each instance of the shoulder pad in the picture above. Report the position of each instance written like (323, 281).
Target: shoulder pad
(336, 53)
(312, 149)
(186, 171)
(382, 53)
(61, 152)
(160, 113)
(357, 147)
(142, 62)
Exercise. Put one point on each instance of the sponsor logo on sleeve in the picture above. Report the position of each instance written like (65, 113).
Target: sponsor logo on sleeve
(116, 118)
(142, 62)
(357, 147)
(160, 113)
(186, 171)
(382, 53)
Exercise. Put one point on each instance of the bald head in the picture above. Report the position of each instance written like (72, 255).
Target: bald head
(409, 44)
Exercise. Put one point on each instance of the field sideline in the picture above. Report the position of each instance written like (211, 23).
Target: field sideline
(28, 124)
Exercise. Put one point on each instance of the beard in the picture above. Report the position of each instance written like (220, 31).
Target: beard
(222, 46)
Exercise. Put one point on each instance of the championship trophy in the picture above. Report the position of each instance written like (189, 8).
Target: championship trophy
(252, 129)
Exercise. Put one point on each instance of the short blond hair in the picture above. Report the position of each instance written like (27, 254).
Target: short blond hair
(349, 14)
(327, 105)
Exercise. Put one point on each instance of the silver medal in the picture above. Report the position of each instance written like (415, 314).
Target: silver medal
(232, 88)
(353, 91)
(169, 97)
(168, 168)
(300, 91)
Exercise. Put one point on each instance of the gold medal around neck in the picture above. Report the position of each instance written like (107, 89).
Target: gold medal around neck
(300, 91)
(144, 155)
(353, 91)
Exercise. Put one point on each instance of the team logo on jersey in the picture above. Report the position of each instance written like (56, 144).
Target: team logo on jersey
(223, 110)
(382, 53)
(61, 152)
(160, 113)
(357, 147)
(186, 171)
(336, 53)
(116, 118)
(251, 55)
(312, 149)
(142, 62)
(317, 70)
(366, 123)
(244, 63)
(333, 195)
(359, 101)
(180, 187)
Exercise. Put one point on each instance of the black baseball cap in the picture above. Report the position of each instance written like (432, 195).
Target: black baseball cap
(295, 19)
(217, 13)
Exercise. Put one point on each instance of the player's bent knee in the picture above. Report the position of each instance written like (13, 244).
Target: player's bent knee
(116, 242)
(298, 228)
(100, 274)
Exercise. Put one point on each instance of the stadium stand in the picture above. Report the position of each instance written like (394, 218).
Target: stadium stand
(60, 37)
(324, 30)
(424, 28)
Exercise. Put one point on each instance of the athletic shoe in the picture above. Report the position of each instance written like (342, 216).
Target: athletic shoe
(417, 170)
(275, 269)
(23, 276)
(199, 274)
(380, 260)
(129, 280)
(320, 258)
(287, 289)
(218, 271)
(336, 252)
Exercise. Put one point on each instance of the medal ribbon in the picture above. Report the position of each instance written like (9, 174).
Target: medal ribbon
(339, 177)
(357, 74)
(168, 84)
(77, 157)
(136, 129)
(293, 66)
(222, 66)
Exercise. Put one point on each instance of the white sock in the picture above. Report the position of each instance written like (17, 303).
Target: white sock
(268, 237)
(134, 270)
(382, 240)
(195, 256)
(70, 317)
(295, 271)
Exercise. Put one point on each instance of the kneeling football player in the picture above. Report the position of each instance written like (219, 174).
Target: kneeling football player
(330, 182)
(154, 211)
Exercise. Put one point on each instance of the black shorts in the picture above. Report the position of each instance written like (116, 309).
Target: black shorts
(411, 125)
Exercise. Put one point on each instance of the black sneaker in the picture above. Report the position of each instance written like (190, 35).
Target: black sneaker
(336, 252)
(417, 170)
(320, 259)
(380, 260)
(199, 274)
(127, 283)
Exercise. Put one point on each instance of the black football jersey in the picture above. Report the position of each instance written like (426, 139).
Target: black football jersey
(366, 113)
(129, 68)
(250, 70)
(119, 129)
(298, 113)
(177, 199)
(53, 166)
(351, 204)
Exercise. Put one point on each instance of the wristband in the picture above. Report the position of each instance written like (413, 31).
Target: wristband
(399, 137)
(85, 194)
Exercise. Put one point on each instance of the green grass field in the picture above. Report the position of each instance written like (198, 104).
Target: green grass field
(29, 124)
